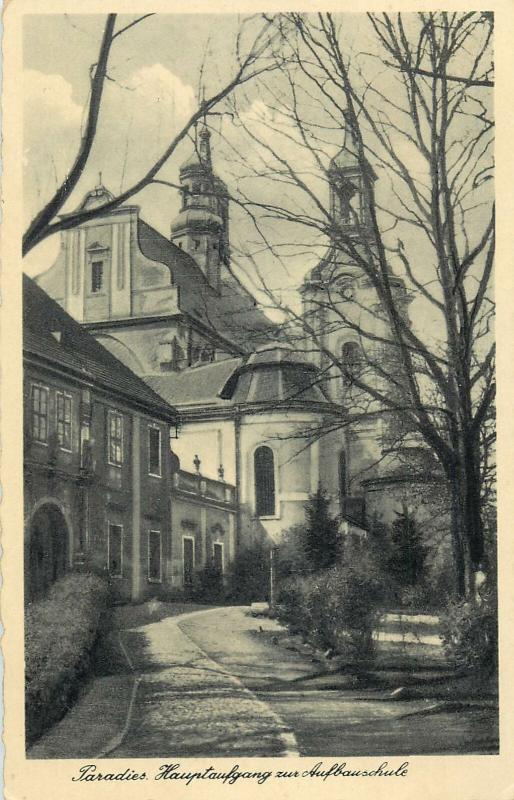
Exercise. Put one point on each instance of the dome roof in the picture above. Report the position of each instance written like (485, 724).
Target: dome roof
(194, 164)
(196, 218)
(276, 353)
(275, 374)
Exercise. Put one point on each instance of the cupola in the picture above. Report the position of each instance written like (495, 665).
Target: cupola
(201, 226)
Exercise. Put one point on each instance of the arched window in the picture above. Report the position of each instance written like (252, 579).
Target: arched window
(350, 357)
(264, 476)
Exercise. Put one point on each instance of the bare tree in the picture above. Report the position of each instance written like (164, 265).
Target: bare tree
(427, 126)
(251, 61)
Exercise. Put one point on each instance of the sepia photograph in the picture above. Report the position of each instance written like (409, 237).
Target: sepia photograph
(259, 430)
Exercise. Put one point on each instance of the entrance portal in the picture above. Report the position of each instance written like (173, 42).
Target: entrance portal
(48, 551)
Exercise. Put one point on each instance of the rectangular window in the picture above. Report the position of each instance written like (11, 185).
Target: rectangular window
(218, 557)
(39, 413)
(115, 551)
(188, 545)
(154, 556)
(115, 439)
(63, 419)
(154, 451)
(97, 274)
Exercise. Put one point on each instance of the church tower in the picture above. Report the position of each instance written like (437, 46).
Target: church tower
(342, 307)
(337, 288)
(348, 206)
(201, 227)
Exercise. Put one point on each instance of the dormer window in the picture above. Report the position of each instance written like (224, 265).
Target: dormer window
(97, 274)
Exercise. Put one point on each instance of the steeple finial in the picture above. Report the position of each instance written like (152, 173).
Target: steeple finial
(205, 145)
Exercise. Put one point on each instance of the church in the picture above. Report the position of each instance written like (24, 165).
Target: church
(255, 412)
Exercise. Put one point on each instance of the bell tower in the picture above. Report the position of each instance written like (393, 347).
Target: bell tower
(348, 205)
(201, 227)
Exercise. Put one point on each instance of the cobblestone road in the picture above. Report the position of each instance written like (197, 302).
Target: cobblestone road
(187, 704)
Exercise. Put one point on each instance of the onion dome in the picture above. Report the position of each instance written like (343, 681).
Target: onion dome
(201, 220)
(200, 159)
(275, 374)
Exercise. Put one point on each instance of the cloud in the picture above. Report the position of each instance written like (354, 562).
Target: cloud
(52, 126)
(140, 114)
(52, 93)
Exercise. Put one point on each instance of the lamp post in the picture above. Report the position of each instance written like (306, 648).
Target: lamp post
(272, 576)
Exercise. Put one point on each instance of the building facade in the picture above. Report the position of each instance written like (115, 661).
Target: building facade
(250, 408)
(262, 422)
(102, 490)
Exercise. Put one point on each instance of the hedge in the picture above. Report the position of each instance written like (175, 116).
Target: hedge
(60, 635)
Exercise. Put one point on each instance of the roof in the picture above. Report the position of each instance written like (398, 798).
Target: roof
(273, 375)
(52, 336)
(200, 385)
(197, 218)
(232, 312)
(347, 159)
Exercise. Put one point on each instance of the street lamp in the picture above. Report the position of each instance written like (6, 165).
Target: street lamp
(272, 576)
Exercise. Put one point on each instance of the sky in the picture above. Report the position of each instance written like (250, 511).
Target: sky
(156, 83)
(153, 87)
(156, 67)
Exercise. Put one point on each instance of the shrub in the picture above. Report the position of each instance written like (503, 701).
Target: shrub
(408, 553)
(249, 575)
(321, 540)
(60, 634)
(208, 585)
(313, 545)
(469, 632)
(338, 608)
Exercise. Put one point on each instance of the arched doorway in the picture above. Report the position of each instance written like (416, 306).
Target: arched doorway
(48, 550)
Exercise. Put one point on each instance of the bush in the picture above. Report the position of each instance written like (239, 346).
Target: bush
(339, 608)
(408, 553)
(60, 634)
(208, 585)
(469, 633)
(313, 545)
(249, 575)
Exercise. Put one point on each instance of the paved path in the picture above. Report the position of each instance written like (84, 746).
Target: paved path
(188, 705)
(220, 683)
(338, 722)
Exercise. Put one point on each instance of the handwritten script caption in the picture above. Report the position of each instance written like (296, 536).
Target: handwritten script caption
(236, 773)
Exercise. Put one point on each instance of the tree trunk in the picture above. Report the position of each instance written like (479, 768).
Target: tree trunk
(466, 522)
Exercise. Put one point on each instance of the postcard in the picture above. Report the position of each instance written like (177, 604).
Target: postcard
(256, 289)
